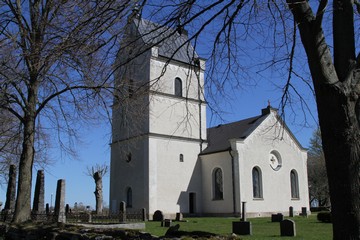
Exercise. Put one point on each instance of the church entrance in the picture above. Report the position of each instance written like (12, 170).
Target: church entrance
(192, 202)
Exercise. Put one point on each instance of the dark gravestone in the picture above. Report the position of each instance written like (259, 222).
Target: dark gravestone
(122, 212)
(143, 212)
(287, 228)
(39, 195)
(277, 217)
(158, 216)
(304, 211)
(167, 223)
(67, 209)
(47, 209)
(11, 190)
(291, 212)
(242, 228)
(179, 217)
(243, 212)
(60, 201)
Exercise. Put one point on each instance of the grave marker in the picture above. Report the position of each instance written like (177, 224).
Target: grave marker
(287, 228)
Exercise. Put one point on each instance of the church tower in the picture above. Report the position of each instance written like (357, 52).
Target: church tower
(159, 121)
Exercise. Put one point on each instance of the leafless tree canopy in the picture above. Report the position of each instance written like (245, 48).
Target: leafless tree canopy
(55, 70)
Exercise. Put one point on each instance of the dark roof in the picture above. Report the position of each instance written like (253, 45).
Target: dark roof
(218, 137)
(170, 42)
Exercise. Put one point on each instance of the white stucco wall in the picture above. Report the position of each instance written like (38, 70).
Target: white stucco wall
(171, 181)
(255, 152)
(209, 163)
(132, 174)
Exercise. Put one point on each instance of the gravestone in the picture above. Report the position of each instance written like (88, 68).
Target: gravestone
(167, 223)
(291, 211)
(11, 190)
(277, 217)
(179, 217)
(39, 195)
(287, 228)
(304, 211)
(143, 211)
(67, 209)
(60, 201)
(242, 228)
(158, 216)
(122, 213)
(243, 212)
(47, 209)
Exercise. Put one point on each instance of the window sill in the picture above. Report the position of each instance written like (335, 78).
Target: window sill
(295, 199)
(258, 199)
(218, 199)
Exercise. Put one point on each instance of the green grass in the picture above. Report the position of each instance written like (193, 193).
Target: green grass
(262, 228)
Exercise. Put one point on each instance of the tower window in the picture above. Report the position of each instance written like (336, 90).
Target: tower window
(181, 158)
(178, 87)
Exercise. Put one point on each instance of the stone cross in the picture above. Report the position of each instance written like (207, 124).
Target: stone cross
(39, 195)
(60, 201)
(11, 190)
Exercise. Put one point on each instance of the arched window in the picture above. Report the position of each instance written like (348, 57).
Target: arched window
(129, 197)
(257, 183)
(181, 157)
(218, 184)
(294, 184)
(178, 87)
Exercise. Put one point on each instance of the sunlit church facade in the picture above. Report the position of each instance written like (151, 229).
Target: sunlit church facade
(164, 158)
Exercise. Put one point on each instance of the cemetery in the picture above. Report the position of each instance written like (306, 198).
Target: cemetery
(64, 223)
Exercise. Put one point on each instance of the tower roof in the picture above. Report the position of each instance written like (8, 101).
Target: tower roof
(171, 43)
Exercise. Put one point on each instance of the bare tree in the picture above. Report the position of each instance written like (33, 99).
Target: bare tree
(55, 70)
(318, 183)
(333, 61)
(97, 172)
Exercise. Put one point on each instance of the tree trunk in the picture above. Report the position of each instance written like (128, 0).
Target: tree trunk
(337, 102)
(98, 193)
(23, 200)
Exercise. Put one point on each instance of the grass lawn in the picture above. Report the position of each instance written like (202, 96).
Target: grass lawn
(262, 228)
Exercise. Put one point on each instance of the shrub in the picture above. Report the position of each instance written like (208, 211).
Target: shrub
(324, 217)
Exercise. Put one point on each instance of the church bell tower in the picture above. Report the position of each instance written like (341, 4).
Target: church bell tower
(159, 121)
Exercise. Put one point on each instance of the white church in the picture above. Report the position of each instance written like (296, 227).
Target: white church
(164, 158)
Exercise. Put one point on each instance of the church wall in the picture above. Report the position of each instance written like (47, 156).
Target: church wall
(174, 179)
(210, 162)
(162, 78)
(125, 173)
(175, 117)
(276, 186)
(130, 114)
